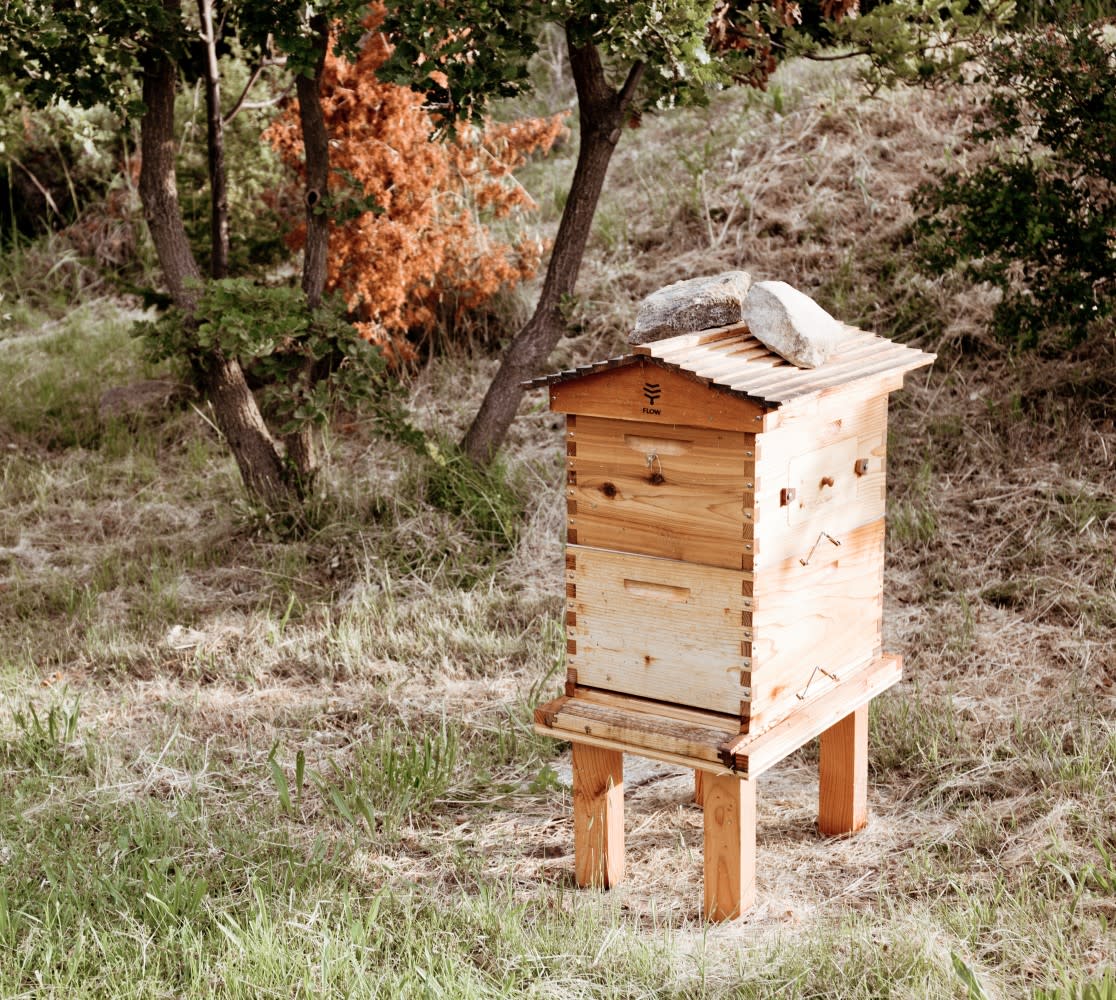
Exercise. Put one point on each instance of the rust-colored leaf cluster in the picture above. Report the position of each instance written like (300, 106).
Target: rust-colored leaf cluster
(417, 235)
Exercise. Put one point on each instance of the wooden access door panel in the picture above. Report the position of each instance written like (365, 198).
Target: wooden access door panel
(821, 474)
(812, 624)
(677, 492)
(656, 628)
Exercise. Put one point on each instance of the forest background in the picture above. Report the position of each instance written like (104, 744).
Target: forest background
(285, 747)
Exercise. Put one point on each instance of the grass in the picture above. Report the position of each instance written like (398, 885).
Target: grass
(236, 762)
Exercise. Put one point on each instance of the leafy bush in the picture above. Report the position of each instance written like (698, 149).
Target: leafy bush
(54, 162)
(412, 220)
(1038, 219)
(304, 362)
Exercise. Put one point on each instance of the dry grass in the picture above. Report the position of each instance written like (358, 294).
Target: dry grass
(203, 646)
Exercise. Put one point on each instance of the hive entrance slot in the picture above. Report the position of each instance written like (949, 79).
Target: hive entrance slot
(658, 446)
(657, 591)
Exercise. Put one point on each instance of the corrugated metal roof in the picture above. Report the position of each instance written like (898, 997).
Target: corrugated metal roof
(731, 360)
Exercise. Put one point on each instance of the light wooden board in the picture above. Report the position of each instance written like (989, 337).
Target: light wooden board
(680, 346)
(598, 802)
(646, 722)
(812, 624)
(646, 391)
(617, 725)
(656, 628)
(753, 755)
(675, 492)
(800, 455)
(729, 819)
(651, 753)
(843, 775)
(658, 709)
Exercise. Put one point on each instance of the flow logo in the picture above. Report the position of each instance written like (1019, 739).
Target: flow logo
(652, 391)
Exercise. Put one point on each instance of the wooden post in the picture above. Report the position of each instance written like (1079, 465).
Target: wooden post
(843, 775)
(699, 787)
(598, 801)
(730, 845)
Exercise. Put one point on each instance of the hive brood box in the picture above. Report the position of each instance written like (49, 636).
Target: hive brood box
(724, 561)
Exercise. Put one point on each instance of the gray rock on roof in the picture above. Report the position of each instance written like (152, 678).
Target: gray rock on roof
(691, 305)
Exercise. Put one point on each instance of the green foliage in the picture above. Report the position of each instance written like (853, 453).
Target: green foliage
(909, 41)
(1103, 988)
(1037, 220)
(86, 54)
(44, 736)
(307, 362)
(252, 169)
(90, 54)
(973, 987)
(483, 495)
(400, 774)
(464, 70)
(54, 162)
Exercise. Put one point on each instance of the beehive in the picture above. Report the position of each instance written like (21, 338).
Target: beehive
(725, 546)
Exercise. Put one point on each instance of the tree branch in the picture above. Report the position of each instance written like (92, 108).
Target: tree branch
(836, 57)
(635, 74)
(35, 180)
(239, 104)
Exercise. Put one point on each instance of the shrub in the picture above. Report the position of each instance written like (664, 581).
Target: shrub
(411, 216)
(1038, 218)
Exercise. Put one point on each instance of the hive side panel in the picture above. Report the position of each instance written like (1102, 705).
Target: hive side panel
(826, 474)
(648, 392)
(656, 628)
(674, 492)
(813, 624)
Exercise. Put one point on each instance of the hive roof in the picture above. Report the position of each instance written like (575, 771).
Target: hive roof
(732, 361)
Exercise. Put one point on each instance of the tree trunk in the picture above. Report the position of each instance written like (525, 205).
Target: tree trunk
(602, 111)
(158, 184)
(215, 134)
(315, 144)
(221, 379)
(302, 449)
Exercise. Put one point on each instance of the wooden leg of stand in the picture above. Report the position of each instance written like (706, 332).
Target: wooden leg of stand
(598, 801)
(730, 845)
(699, 787)
(843, 775)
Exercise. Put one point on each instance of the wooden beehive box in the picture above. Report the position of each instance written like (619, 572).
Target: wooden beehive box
(725, 552)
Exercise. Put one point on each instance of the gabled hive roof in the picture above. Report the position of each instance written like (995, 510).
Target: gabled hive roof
(732, 361)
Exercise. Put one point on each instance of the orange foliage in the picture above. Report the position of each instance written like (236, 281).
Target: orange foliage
(430, 244)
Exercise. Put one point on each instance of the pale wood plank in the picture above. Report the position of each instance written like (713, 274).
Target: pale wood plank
(843, 775)
(812, 625)
(826, 445)
(658, 628)
(691, 357)
(699, 787)
(649, 752)
(685, 503)
(598, 803)
(658, 709)
(684, 341)
(730, 846)
(619, 393)
(580, 718)
(852, 361)
(748, 753)
(753, 755)
(889, 365)
(731, 361)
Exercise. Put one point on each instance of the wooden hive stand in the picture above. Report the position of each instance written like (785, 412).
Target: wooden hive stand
(724, 582)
